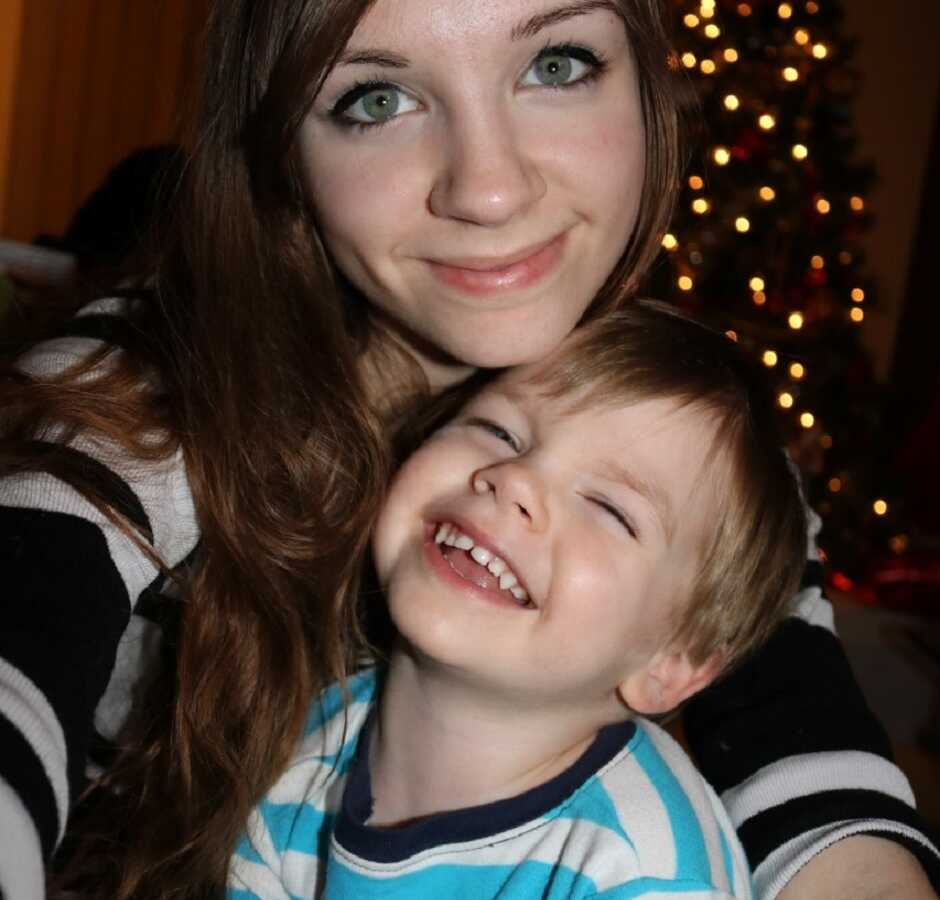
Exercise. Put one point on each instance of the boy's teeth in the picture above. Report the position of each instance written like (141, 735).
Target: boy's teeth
(481, 555)
(507, 580)
(497, 566)
(451, 536)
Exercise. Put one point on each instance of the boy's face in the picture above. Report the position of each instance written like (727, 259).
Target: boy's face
(597, 514)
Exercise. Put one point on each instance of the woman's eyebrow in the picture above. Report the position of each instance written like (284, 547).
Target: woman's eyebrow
(534, 25)
(373, 57)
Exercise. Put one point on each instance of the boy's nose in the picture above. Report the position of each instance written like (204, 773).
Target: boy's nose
(515, 489)
(485, 177)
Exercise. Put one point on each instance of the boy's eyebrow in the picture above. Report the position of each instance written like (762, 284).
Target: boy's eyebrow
(389, 59)
(652, 492)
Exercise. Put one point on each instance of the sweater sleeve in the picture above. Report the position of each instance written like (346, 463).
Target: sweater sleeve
(795, 753)
(71, 583)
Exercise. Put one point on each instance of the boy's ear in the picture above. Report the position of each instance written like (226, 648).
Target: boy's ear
(669, 678)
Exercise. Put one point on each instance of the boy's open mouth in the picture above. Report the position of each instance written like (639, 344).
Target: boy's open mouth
(478, 564)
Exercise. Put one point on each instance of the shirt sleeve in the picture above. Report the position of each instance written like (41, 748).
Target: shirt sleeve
(795, 753)
(71, 581)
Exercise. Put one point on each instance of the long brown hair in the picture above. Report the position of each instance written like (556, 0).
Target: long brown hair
(244, 357)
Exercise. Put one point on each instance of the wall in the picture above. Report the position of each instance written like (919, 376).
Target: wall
(91, 82)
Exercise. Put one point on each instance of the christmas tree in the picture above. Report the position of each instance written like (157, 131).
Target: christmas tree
(767, 243)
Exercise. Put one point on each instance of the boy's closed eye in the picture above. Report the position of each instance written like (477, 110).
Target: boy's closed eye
(498, 431)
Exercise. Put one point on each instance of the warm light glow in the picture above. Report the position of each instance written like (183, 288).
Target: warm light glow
(732, 102)
(857, 314)
(800, 151)
(700, 206)
(685, 283)
(845, 257)
(708, 67)
(757, 283)
(857, 204)
(670, 242)
(691, 20)
(795, 321)
(797, 370)
(689, 60)
(760, 298)
(858, 295)
(784, 10)
(786, 400)
(812, 8)
(707, 12)
(801, 36)
(744, 9)
(696, 182)
(731, 55)
(835, 485)
(732, 334)
(721, 155)
(880, 508)
(807, 420)
(817, 262)
(767, 193)
(767, 121)
(791, 74)
(712, 30)
(899, 543)
(742, 224)
(823, 206)
(769, 358)
(820, 51)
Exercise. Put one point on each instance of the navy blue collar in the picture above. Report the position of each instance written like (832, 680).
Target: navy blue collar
(388, 845)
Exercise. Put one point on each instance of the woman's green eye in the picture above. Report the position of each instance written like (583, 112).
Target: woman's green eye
(561, 66)
(373, 104)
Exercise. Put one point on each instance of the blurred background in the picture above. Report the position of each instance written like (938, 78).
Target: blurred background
(803, 228)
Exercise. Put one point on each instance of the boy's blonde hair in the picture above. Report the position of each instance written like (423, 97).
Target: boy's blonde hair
(751, 563)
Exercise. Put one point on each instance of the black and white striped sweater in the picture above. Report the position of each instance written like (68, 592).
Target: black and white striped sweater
(787, 741)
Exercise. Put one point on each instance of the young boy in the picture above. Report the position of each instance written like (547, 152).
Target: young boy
(592, 537)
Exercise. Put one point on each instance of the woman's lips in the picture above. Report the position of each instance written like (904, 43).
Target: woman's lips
(481, 275)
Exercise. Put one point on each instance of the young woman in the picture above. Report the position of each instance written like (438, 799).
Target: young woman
(379, 198)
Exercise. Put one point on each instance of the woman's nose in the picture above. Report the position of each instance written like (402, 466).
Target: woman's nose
(515, 488)
(485, 177)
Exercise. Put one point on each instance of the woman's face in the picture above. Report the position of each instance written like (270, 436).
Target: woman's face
(476, 169)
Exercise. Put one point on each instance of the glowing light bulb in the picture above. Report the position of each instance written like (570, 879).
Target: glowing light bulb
(858, 295)
(696, 182)
(812, 8)
(732, 102)
(857, 314)
(795, 321)
(769, 358)
(733, 335)
(742, 224)
(835, 485)
(689, 60)
(817, 262)
(791, 74)
(721, 155)
(707, 12)
(767, 193)
(767, 122)
(731, 55)
(700, 206)
(880, 508)
(820, 51)
(857, 204)
(669, 241)
(691, 20)
(685, 283)
(801, 36)
(708, 67)
(760, 298)
(800, 151)
(784, 10)
(744, 9)
(757, 283)
(797, 371)
(712, 30)
(823, 206)
(786, 400)
(807, 420)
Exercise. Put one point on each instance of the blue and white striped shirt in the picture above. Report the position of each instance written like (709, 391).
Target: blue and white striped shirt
(631, 818)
